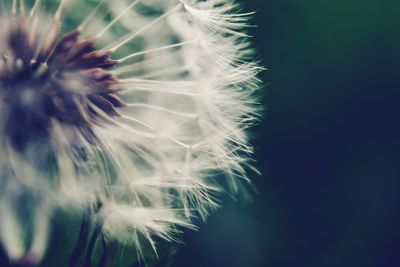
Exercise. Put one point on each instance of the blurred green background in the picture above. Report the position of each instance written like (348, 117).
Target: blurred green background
(328, 146)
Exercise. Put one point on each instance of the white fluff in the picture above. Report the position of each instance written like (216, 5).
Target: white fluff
(189, 83)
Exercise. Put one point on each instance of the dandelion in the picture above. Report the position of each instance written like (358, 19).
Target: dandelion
(132, 114)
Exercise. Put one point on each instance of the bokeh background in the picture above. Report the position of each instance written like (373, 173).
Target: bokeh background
(328, 146)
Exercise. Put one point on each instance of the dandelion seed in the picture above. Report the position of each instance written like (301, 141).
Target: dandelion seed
(128, 118)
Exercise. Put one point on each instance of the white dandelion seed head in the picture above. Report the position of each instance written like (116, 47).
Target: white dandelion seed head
(131, 112)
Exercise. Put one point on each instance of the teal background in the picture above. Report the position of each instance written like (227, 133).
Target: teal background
(328, 146)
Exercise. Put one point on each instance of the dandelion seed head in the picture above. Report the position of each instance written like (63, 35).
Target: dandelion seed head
(130, 113)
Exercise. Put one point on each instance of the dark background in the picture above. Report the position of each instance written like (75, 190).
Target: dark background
(328, 146)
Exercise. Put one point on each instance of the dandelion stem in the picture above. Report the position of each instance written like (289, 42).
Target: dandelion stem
(92, 243)
(77, 252)
(103, 260)
(104, 256)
